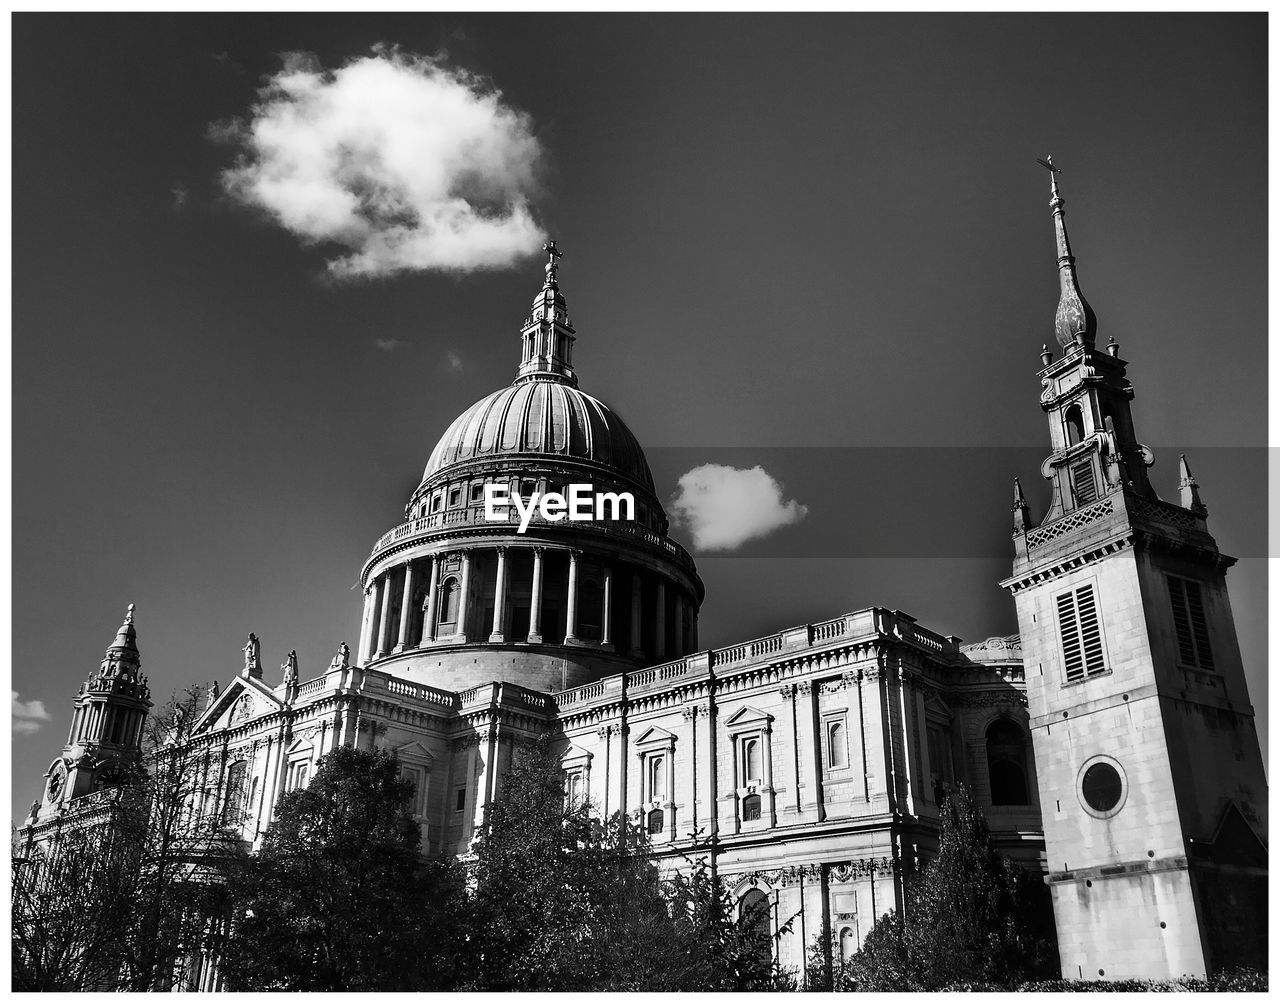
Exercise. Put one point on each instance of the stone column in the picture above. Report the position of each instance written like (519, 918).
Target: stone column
(571, 615)
(500, 598)
(384, 591)
(810, 747)
(535, 600)
(679, 625)
(429, 611)
(660, 622)
(406, 607)
(366, 624)
(464, 596)
(690, 715)
(637, 612)
(606, 615)
(669, 805)
(788, 692)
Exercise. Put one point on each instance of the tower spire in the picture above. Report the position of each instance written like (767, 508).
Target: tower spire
(1075, 321)
(547, 336)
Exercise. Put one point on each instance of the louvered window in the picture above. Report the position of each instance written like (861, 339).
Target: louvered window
(1081, 633)
(1083, 485)
(1189, 623)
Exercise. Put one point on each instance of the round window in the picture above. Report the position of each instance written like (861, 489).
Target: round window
(1102, 787)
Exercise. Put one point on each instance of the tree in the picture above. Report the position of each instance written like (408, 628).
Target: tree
(564, 901)
(122, 893)
(339, 898)
(971, 916)
(714, 950)
(556, 889)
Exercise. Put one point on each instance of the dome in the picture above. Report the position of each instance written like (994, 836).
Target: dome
(543, 418)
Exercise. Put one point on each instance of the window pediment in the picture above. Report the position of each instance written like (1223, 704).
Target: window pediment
(747, 718)
(654, 737)
(575, 756)
(416, 754)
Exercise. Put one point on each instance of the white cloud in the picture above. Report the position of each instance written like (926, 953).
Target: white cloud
(453, 362)
(27, 715)
(724, 507)
(181, 195)
(388, 344)
(407, 164)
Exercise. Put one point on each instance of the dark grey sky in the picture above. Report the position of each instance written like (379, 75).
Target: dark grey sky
(819, 243)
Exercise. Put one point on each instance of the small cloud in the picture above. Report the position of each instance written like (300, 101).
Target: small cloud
(27, 716)
(453, 362)
(724, 507)
(181, 195)
(388, 344)
(404, 163)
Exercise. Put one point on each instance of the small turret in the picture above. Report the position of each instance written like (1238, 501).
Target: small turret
(1189, 488)
(547, 337)
(1021, 511)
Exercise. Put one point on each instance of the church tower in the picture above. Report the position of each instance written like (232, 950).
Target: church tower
(1148, 762)
(106, 726)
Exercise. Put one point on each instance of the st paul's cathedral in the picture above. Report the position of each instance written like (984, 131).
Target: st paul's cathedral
(1111, 743)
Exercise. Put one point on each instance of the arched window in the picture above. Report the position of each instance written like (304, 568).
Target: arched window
(448, 602)
(654, 820)
(1075, 425)
(657, 777)
(233, 802)
(848, 945)
(1007, 763)
(751, 760)
(750, 808)
(573, 789)
(753, 917)
(837, 748)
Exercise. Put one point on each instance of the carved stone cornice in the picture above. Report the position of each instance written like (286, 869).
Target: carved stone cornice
(864, 868)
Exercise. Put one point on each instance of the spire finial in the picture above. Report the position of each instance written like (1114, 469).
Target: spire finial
(1189, 488)
(128, 616)
(1075, 323)
(552, 254)
(1021, 511)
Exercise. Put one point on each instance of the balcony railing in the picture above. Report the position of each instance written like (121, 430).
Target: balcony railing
(473, 515)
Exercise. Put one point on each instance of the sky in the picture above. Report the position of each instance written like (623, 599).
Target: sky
(809, 257)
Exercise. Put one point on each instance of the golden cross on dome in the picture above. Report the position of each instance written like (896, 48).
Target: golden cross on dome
(552, 252)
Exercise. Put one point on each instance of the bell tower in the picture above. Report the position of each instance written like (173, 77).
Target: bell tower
(1148, 761)
(106, 726)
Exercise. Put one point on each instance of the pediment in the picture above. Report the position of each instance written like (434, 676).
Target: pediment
(574, 754)
(300, 745)
(748, 717)
(935, 706)
(655, 735)
(243, 700)
(415, 753)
